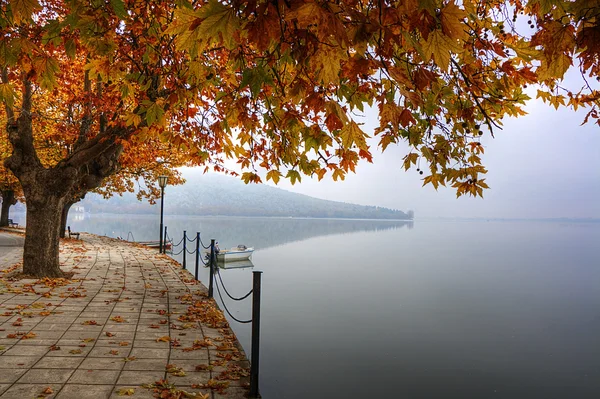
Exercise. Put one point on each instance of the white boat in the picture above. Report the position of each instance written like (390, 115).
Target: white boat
(241, 252)
(155, 244)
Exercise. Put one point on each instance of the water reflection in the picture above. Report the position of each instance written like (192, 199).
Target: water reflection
(261, 233)
(449, 309)
(238, 264)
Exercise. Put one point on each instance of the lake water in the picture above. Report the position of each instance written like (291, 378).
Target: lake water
(389, 309)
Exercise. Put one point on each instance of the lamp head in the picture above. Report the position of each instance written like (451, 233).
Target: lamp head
(162, 181)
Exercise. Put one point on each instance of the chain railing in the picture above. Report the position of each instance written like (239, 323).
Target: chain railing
(211, 263)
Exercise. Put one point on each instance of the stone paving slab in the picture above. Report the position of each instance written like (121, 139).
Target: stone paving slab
(130, 323)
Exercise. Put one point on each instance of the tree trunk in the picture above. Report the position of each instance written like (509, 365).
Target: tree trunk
(46, 190)
(41, 250)
(63, 217)
(8, 200)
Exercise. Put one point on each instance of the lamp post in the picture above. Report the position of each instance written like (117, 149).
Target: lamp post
(162, 182)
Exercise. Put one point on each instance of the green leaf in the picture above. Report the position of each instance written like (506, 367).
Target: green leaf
(294, 176)
(70, 48)
(154, 113)
(119, 7)
(255, 78)
(47, 68)
(22, 10)
(8, 53)
(7, 94)
(218, 20)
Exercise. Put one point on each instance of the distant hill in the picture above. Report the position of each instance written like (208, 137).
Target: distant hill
(213, 195)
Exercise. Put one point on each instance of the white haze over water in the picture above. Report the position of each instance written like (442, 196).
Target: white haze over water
(542, 165)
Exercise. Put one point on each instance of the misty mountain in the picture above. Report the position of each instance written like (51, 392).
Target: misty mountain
(214, 195)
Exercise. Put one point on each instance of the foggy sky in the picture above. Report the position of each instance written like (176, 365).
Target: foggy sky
(541, 165)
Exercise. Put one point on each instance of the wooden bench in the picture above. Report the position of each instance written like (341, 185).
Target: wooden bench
(12, 223)
(72, 233)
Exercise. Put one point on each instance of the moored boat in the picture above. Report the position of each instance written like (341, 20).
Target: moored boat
(241, 252)
(155, 244)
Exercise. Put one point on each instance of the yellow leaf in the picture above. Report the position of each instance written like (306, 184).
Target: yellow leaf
(327, 64)
(555, 67)
(544, 95)
(410, 159)
(523, 48)
(557, 101)
(439, 48)
(274, 175)
(452, 21)
(133, 119)
(338, 174)
(307, 14)
(126, 391)
(353, 134)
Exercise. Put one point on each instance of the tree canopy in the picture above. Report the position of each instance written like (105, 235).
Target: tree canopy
(277, 85)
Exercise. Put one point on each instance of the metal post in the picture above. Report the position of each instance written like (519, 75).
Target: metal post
(256, 275)
(164, 249)
(184, 248)
(160, 240)
(197, 255)
(211, 267)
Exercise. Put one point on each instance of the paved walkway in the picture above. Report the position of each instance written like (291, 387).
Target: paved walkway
(11, 247)
(129, 318)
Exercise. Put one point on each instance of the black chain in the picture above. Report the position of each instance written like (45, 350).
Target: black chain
(227, 310)
(191, 239)
(176, 253)
(227, 292)
(204, 246)
(179, 243)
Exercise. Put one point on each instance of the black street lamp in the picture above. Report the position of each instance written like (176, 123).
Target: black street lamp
(162, 182)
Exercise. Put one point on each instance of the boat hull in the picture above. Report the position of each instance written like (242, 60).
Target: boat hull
(234, 255)
(155, 244)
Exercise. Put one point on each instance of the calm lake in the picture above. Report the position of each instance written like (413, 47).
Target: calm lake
(390, 309)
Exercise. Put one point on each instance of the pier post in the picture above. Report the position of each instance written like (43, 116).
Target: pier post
(164, 242)
(184, 248)
(197, 255)
(211, 264)
(256, 282)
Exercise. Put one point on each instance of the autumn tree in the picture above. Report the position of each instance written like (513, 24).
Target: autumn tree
(9, 185)
(140, 165)
(9, 191)
(276, 85)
